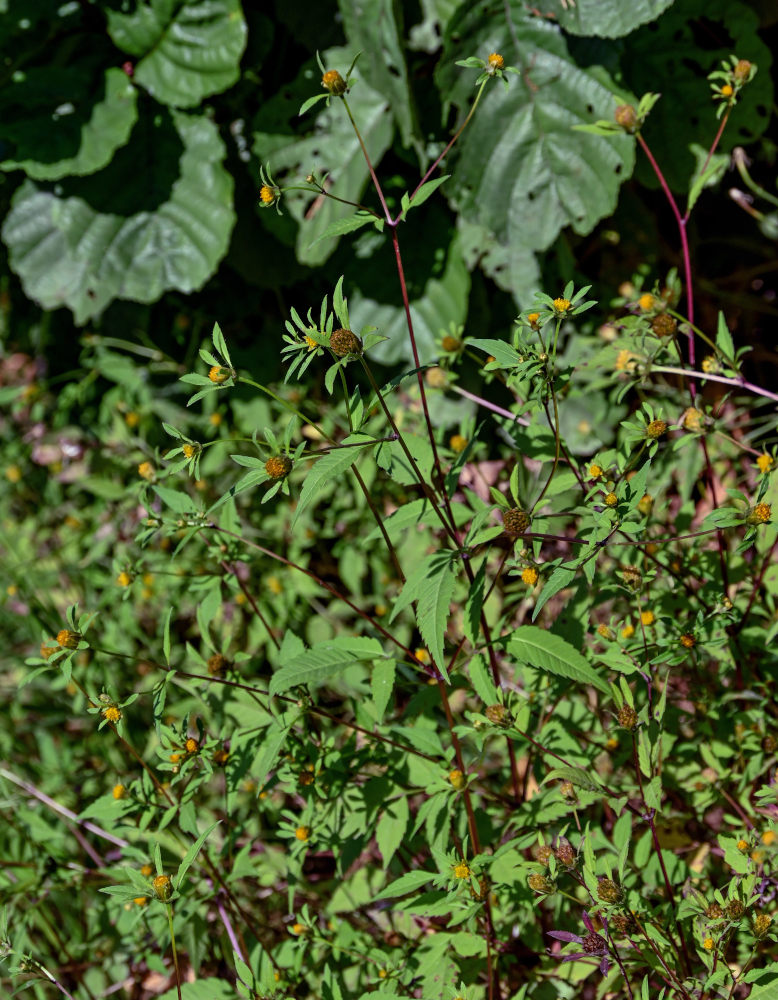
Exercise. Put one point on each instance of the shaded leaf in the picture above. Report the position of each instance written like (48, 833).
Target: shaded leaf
(603, 18)
(323, 661)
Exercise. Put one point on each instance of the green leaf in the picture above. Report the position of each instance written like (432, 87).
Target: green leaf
(348, 225)
(577, 776)
(502, 352)
(474, 604)
(406, 883)
(372, 29)
(166, 636)
(603, 18)
(391, 828)
(483, 682)
(191, 855)
(724, 343)
(382, 685)
(323, 661)
(552, 654)
(67, 252)
(329, 147)
(717, 167)
(424, 192)
(325, 470)
(522, 172)
(204, 989)
(559, 579)
(55, 122)
(185, 51)
(177, 501)
(431, 586)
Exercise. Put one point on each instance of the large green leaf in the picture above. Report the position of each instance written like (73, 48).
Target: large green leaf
(431, 587)
(372, 28)
(604, 18)
(552, 654)
(667, 57)
(330, 146)
(186, 51)
(84, 250)
(323, 661)
(54, 122)
(521, 170)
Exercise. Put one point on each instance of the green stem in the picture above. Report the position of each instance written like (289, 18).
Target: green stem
(557, 442)
(284, 403)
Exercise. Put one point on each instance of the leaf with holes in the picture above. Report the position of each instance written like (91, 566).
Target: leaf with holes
(185, 51)
(522, 171)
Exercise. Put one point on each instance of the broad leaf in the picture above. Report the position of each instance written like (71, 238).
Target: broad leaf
(56, 122)
(431, 586)
(323, 661)
(328, 146)
(552, 654)
(406, 883)
(186, 51)
(391, 828)
(522, 171)
(604, 18)
(69, 252)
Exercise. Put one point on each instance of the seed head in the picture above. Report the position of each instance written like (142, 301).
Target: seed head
(692, 419)
(769, 743)
(734, 909)
(529, 576)
(540, 883)
(610, 499)
(544, 853)
(609, 891)
(163, 886)
(278, 466)
(622, 923)
(119, 792)
(656, 429)
(302, 833)
(710, 364)
(218, 375)
(765, 462)
(515, 522)
(497, 715)
(742, 70)
(450, 343)
(334, 83)
(593, 943)
(112, 714)
(67, 639)
(344, 342)
(561, 306)
(457, 443)
(605, 632)
(457, 779)
(191, 745)
(628, 718)
(567, 791)
(664, 325)
(762, 923)
(565, 853)
(496, 61)
(646, 302)
(688, 640)
(759, 514)
(436, 377)
(626, 116)
(632, 577)
(146, 471)
(217, 664)
(714, 912)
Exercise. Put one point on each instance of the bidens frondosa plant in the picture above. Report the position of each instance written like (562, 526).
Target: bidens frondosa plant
(442, 667)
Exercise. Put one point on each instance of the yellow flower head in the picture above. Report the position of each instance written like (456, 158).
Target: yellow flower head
(215, 419)
(334, 83)
(710, 364)
(562, 305)
(457, 443)
(647, 617)
(727, 90)
(611, 499)
(146, 471)
(67, 639)
(147, 871)
(112, 714)
(496, 61)
(163, 886)
(655, 429)
(218, 375)
(302, 833)
(532, 319)
(299, 929)
(190, 450)
(119, 792)
(462, 869)
(743, 845)
(765, 462)
(529, 576)
(141, 900)
(687, 640)
(708, 943)
(595, 471)
(605, 632)
(310, 343)
(628, 631)
(759, 514)
(422, 655)
(191, 745)
(267, 194)
(457, 779)
(768, 837)
(124, 579)
(278, 466)
(646, 302)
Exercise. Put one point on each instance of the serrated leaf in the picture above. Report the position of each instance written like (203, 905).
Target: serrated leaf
(382, 685)
(501, 351)
(406, 883)
(474, 604)
(191, 855)
(348, 225)
(424, 192)
(577, 776)
(177, 501)
(185, 51)
(559, 579)
(483, 682)
(521, 171)
(325, 471)
(67, 252)
(603, 18)
(328, 147)
(431, 586)
(724, 342)
(715, 170)
(391, 828)
(323, 661)
(54, 121)
(552, 654)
